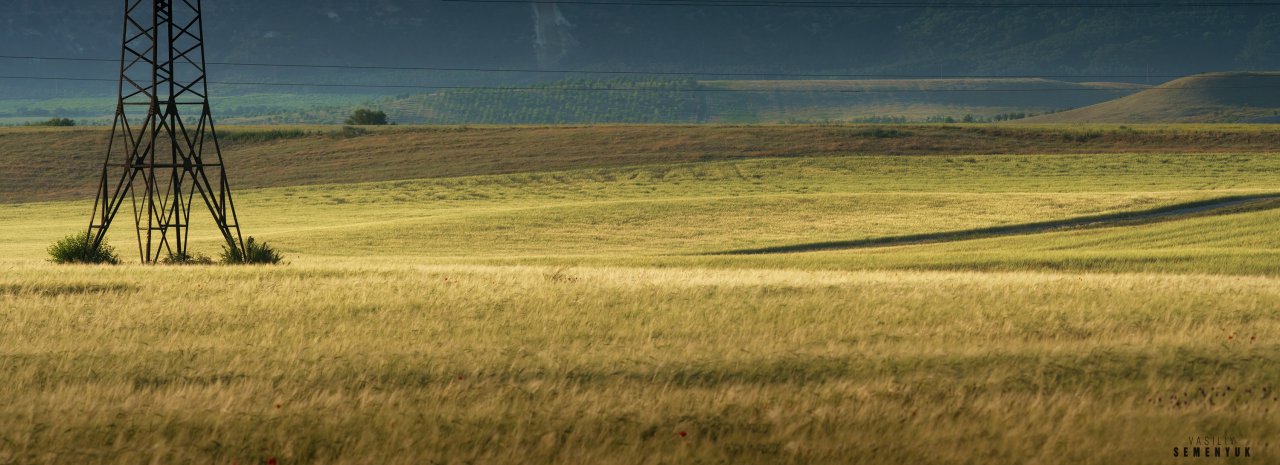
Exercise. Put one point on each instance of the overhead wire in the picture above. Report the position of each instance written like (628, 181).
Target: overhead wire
(883, 5)
(626, 72)
(665, 90)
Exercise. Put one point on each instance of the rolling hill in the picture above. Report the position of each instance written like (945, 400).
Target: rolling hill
(42, 164)
(589, 101)
(912, 100)
(741, 101)
(1205, 98)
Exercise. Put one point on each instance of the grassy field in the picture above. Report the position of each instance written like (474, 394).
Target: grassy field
(39, 164)
(608, 295)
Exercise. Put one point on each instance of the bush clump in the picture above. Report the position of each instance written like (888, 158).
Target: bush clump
(254, 253)
(57, 122)
(76, 249)
(262, 136)
(366, 117)
(187, 259)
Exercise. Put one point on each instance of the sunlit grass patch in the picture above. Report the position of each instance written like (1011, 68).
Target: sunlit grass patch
(583, 315)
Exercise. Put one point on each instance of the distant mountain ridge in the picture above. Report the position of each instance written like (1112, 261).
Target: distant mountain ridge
(926, 41)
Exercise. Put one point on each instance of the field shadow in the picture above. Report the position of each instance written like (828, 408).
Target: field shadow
(55, 290)
(1210, 207)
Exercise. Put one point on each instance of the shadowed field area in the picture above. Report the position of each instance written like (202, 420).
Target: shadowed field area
(1226, 205)
(1074, 305)
(40, 164)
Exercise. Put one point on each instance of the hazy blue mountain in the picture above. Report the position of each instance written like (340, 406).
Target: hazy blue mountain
(926, 41)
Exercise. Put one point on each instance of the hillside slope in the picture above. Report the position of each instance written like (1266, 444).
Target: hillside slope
(39, 164)
(911, 100)
(745, 101)
(1219, 97)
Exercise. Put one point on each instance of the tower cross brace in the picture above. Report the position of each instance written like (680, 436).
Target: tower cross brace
(156, 158)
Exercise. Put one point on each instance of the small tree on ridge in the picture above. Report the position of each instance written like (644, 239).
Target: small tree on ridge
(366, 117)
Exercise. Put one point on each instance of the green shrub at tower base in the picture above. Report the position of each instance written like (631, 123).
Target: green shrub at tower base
(76, 248)
(254, 253)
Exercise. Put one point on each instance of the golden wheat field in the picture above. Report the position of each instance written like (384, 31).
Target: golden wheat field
(1107, 305)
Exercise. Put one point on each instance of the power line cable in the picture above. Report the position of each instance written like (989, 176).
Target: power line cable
(651, 89)
(625, 73)
(881, 5)
(958, 3)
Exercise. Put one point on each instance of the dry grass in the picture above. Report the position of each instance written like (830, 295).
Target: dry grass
(574, 316)
(352, 361)
(693, 208)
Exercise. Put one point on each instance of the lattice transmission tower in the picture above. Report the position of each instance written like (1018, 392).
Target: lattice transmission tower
(156, 159)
